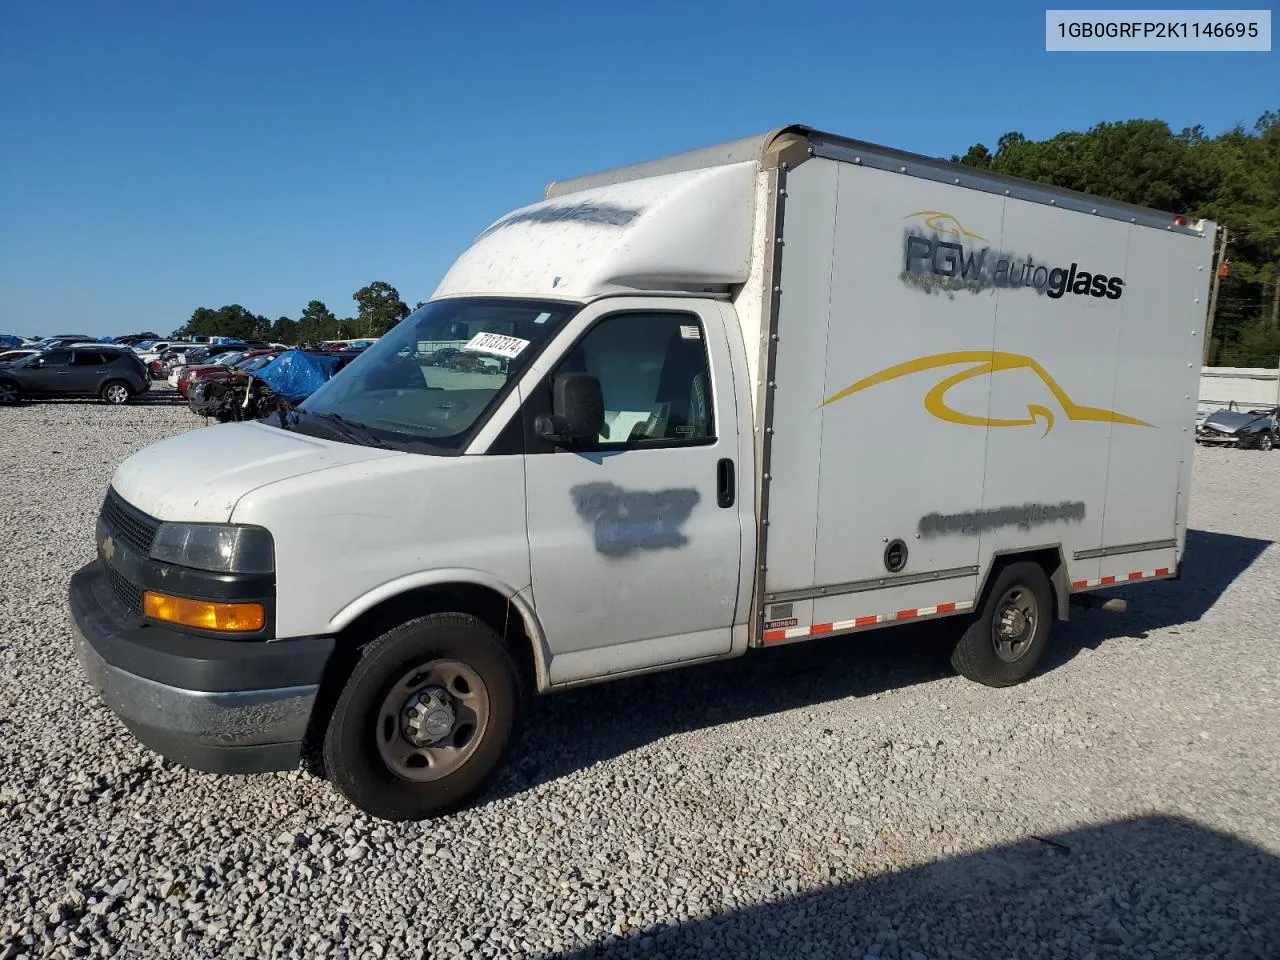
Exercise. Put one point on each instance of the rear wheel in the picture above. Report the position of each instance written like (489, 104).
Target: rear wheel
(117, 392)
(1003, 644)
(425, 719)
(10, 393)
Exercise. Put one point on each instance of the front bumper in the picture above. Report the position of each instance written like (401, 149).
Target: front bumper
(223, 706)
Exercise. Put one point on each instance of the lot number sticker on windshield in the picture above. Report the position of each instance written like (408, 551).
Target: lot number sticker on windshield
(496, 345)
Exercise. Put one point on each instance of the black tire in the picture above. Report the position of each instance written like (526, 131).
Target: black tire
(1267, 441)
(979, 656)
(116, 392)
(10, 393)
(352, 755)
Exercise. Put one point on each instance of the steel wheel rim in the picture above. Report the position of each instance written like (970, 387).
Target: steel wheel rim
(8, 393)
(1014, 625)
(117, 394)
(404, 748)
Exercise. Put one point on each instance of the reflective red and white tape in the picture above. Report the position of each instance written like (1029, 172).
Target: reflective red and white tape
(1121, 578)
(860, 623)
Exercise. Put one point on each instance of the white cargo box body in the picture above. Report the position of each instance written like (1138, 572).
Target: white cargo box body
(949, 366)
(962, 374)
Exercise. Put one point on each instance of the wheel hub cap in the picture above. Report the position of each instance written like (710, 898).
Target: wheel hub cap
(1013, 623)
(429, 716)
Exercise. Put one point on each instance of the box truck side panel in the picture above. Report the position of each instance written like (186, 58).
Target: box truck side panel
(889, 460)
(1052, 376)
(804, 310)
(962, 375)
(1157, 380)
(885, 461)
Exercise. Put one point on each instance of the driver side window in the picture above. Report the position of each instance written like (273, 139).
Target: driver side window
(654, 377)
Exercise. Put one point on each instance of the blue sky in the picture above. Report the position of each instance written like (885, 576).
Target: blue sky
(157, 157)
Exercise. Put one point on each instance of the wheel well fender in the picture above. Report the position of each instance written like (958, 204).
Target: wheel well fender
(460, 590)
(1051, 560)
(472, 592)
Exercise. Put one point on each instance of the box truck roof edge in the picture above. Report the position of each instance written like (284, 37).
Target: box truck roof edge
(791, 144)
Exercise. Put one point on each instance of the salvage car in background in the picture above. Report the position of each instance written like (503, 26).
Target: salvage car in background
(61, 340)
(115, 375)
(250, 394)
(1232, 427)
(180, 376)
(162, 368)
(183, 377)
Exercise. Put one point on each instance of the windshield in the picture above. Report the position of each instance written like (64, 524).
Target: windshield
(434, 375)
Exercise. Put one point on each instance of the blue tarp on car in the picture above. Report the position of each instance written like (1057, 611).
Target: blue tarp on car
(9, 342)
(295, 375)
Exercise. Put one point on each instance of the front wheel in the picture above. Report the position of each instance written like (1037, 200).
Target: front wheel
(117, 392)
(425, 719)
(1267, 441)
(1003, 644)
(10, 393)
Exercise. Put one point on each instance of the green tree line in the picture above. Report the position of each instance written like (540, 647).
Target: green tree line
(1233, 179)
(379, 308)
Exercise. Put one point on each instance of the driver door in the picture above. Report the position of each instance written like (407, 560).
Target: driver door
(635, 539)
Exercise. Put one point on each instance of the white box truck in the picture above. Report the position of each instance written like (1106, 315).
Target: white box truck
(791, 386)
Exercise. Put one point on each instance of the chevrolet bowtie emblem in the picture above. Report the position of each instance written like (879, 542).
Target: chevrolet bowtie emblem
(108, 548)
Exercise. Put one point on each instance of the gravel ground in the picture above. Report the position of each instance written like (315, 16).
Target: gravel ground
(843, 798)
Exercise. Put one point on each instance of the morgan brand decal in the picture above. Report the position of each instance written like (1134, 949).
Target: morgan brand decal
(985, 362)
(940, 255)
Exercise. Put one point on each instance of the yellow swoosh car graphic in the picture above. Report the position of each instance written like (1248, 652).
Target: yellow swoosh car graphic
(985, 363)
(940, 221)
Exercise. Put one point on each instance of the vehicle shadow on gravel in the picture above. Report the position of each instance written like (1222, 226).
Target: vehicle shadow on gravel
(567, 731)
(1149, 887)
(1214, 561)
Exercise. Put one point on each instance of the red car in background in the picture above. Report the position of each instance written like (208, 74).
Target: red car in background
(218, 371)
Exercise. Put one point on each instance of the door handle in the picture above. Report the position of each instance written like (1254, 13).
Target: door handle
(725, 487)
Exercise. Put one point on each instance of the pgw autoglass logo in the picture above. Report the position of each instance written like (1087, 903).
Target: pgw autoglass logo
(942, 255)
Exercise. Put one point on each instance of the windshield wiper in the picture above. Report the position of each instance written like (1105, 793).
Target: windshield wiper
(353, 429)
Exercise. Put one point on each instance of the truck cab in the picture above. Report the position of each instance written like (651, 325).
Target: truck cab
(566, 505)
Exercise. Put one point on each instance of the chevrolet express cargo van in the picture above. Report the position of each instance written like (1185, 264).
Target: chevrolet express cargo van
(792, 386)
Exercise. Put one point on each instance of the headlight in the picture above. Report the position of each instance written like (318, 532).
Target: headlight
(221, 547)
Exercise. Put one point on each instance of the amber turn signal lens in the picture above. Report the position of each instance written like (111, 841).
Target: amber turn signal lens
(205, 614)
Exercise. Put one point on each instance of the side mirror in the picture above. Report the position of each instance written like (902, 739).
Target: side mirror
(577, 406)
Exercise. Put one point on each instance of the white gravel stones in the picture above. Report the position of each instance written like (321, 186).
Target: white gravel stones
(844, 798)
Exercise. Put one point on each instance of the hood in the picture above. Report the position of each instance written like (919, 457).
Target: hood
(1230, 421)
(199, 476)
